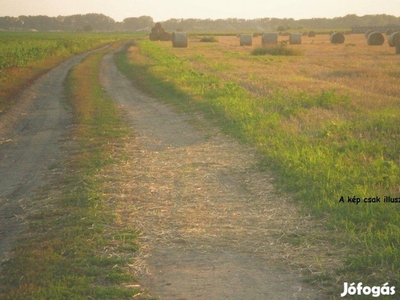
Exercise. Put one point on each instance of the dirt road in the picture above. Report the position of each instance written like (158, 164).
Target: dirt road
(30, 151)
(213, 226)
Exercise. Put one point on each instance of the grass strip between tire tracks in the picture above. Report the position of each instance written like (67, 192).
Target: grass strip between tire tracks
(65, 254)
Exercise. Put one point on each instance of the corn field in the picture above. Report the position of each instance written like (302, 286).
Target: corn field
(21, 49)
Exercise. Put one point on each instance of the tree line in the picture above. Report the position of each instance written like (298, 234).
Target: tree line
(103, 23)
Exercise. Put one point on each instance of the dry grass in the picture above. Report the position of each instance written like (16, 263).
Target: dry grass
(210, 196)
(364, 73)
(353, 67)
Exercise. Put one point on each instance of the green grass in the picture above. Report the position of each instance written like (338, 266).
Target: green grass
(65, 254)
(357, 156)
(26, 55)
(20, 49)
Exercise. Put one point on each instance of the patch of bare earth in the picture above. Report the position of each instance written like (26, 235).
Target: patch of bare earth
(212, 225)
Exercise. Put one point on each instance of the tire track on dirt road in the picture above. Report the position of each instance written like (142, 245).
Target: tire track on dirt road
(213, 227)
(30, 133)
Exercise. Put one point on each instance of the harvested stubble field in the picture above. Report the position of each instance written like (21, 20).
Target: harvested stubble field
(326, 123)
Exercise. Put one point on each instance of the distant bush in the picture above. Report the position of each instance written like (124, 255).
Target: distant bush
(280, 49)
(209, 39)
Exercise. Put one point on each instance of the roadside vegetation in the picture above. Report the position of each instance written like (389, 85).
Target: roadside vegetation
(26, 55)
(74, 248)
(325, 122)
(280, 49)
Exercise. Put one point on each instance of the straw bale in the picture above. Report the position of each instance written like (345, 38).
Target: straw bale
(154, 36)
(389, 31)
(368, 33)
(246, 40)
(375, 39)
(270, 38)
(165, 36)
(394, 39)
(312, 34)
(179, 40)
(337, 38)
(295, 38)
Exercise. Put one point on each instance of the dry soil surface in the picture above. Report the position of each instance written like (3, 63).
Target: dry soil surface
(213, 226)
(30, 152)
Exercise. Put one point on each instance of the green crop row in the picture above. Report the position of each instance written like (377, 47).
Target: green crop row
(19, 49)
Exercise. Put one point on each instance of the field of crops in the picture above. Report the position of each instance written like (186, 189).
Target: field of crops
(24, 55)
(326, 121)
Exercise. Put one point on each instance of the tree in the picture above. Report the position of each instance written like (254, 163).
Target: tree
(87, 28)
(133, 24)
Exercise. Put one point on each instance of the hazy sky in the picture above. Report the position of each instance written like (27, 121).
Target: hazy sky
(202, 9)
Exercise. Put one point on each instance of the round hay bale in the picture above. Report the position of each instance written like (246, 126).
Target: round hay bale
(375, 39)
(154, 36)
(269, 38)
(158, 25)
(246, 40)
(165, 36)
(295, 38)
(312, 34)
(368, 33)
(394, 39)
(337, 38)
(179, 40)
(389, 32)
(305, 33)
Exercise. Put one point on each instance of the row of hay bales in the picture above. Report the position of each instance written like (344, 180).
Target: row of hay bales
(375, 38)
(280, 33)
(180, 39)
(294, 38)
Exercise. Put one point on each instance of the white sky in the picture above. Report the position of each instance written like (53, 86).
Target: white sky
(162, 10)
